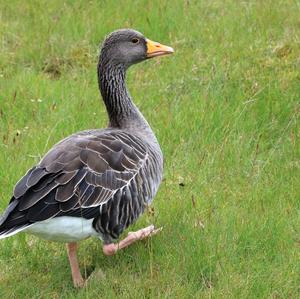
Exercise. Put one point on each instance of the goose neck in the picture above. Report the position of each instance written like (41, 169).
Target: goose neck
(116, 97)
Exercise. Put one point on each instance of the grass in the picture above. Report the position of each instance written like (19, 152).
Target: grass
(225, 109)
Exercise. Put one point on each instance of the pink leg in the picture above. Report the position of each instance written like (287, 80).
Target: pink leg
(76, 275)
(111, 249)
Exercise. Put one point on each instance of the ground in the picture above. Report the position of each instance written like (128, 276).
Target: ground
(225, 108)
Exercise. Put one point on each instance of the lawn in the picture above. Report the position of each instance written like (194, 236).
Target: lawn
(225, 108)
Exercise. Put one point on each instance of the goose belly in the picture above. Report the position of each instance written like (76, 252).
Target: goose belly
(63, 229)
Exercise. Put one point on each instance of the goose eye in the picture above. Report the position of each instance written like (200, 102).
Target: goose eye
(135, 40)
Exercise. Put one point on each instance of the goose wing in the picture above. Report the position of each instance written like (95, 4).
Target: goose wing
(75, 177)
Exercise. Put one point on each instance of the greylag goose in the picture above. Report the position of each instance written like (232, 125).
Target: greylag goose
(95, 182)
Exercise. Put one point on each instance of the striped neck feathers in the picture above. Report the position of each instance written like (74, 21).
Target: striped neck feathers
(119, 106)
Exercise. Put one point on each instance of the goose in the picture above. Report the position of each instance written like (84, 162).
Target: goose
(97, 182)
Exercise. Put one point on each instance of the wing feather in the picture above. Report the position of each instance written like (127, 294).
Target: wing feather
(79, 174)
(64, 192)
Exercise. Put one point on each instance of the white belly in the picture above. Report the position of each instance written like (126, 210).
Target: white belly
(63, 229)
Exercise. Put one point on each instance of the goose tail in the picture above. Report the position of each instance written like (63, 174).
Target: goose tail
(6, 230)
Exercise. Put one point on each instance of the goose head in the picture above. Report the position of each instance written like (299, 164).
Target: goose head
(126, 47)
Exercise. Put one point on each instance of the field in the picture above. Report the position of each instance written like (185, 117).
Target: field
(225, 108)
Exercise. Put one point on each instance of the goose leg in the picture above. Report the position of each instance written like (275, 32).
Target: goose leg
(76, 275)
(111, 249)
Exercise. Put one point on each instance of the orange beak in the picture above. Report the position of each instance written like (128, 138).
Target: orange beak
(156, 49)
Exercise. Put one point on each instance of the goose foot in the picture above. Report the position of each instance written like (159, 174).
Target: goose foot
(79, 282)
(111, 249)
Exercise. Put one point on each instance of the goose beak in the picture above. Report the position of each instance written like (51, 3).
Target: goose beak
(156, 49)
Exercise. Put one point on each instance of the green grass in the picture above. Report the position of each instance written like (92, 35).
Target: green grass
(225, 108)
